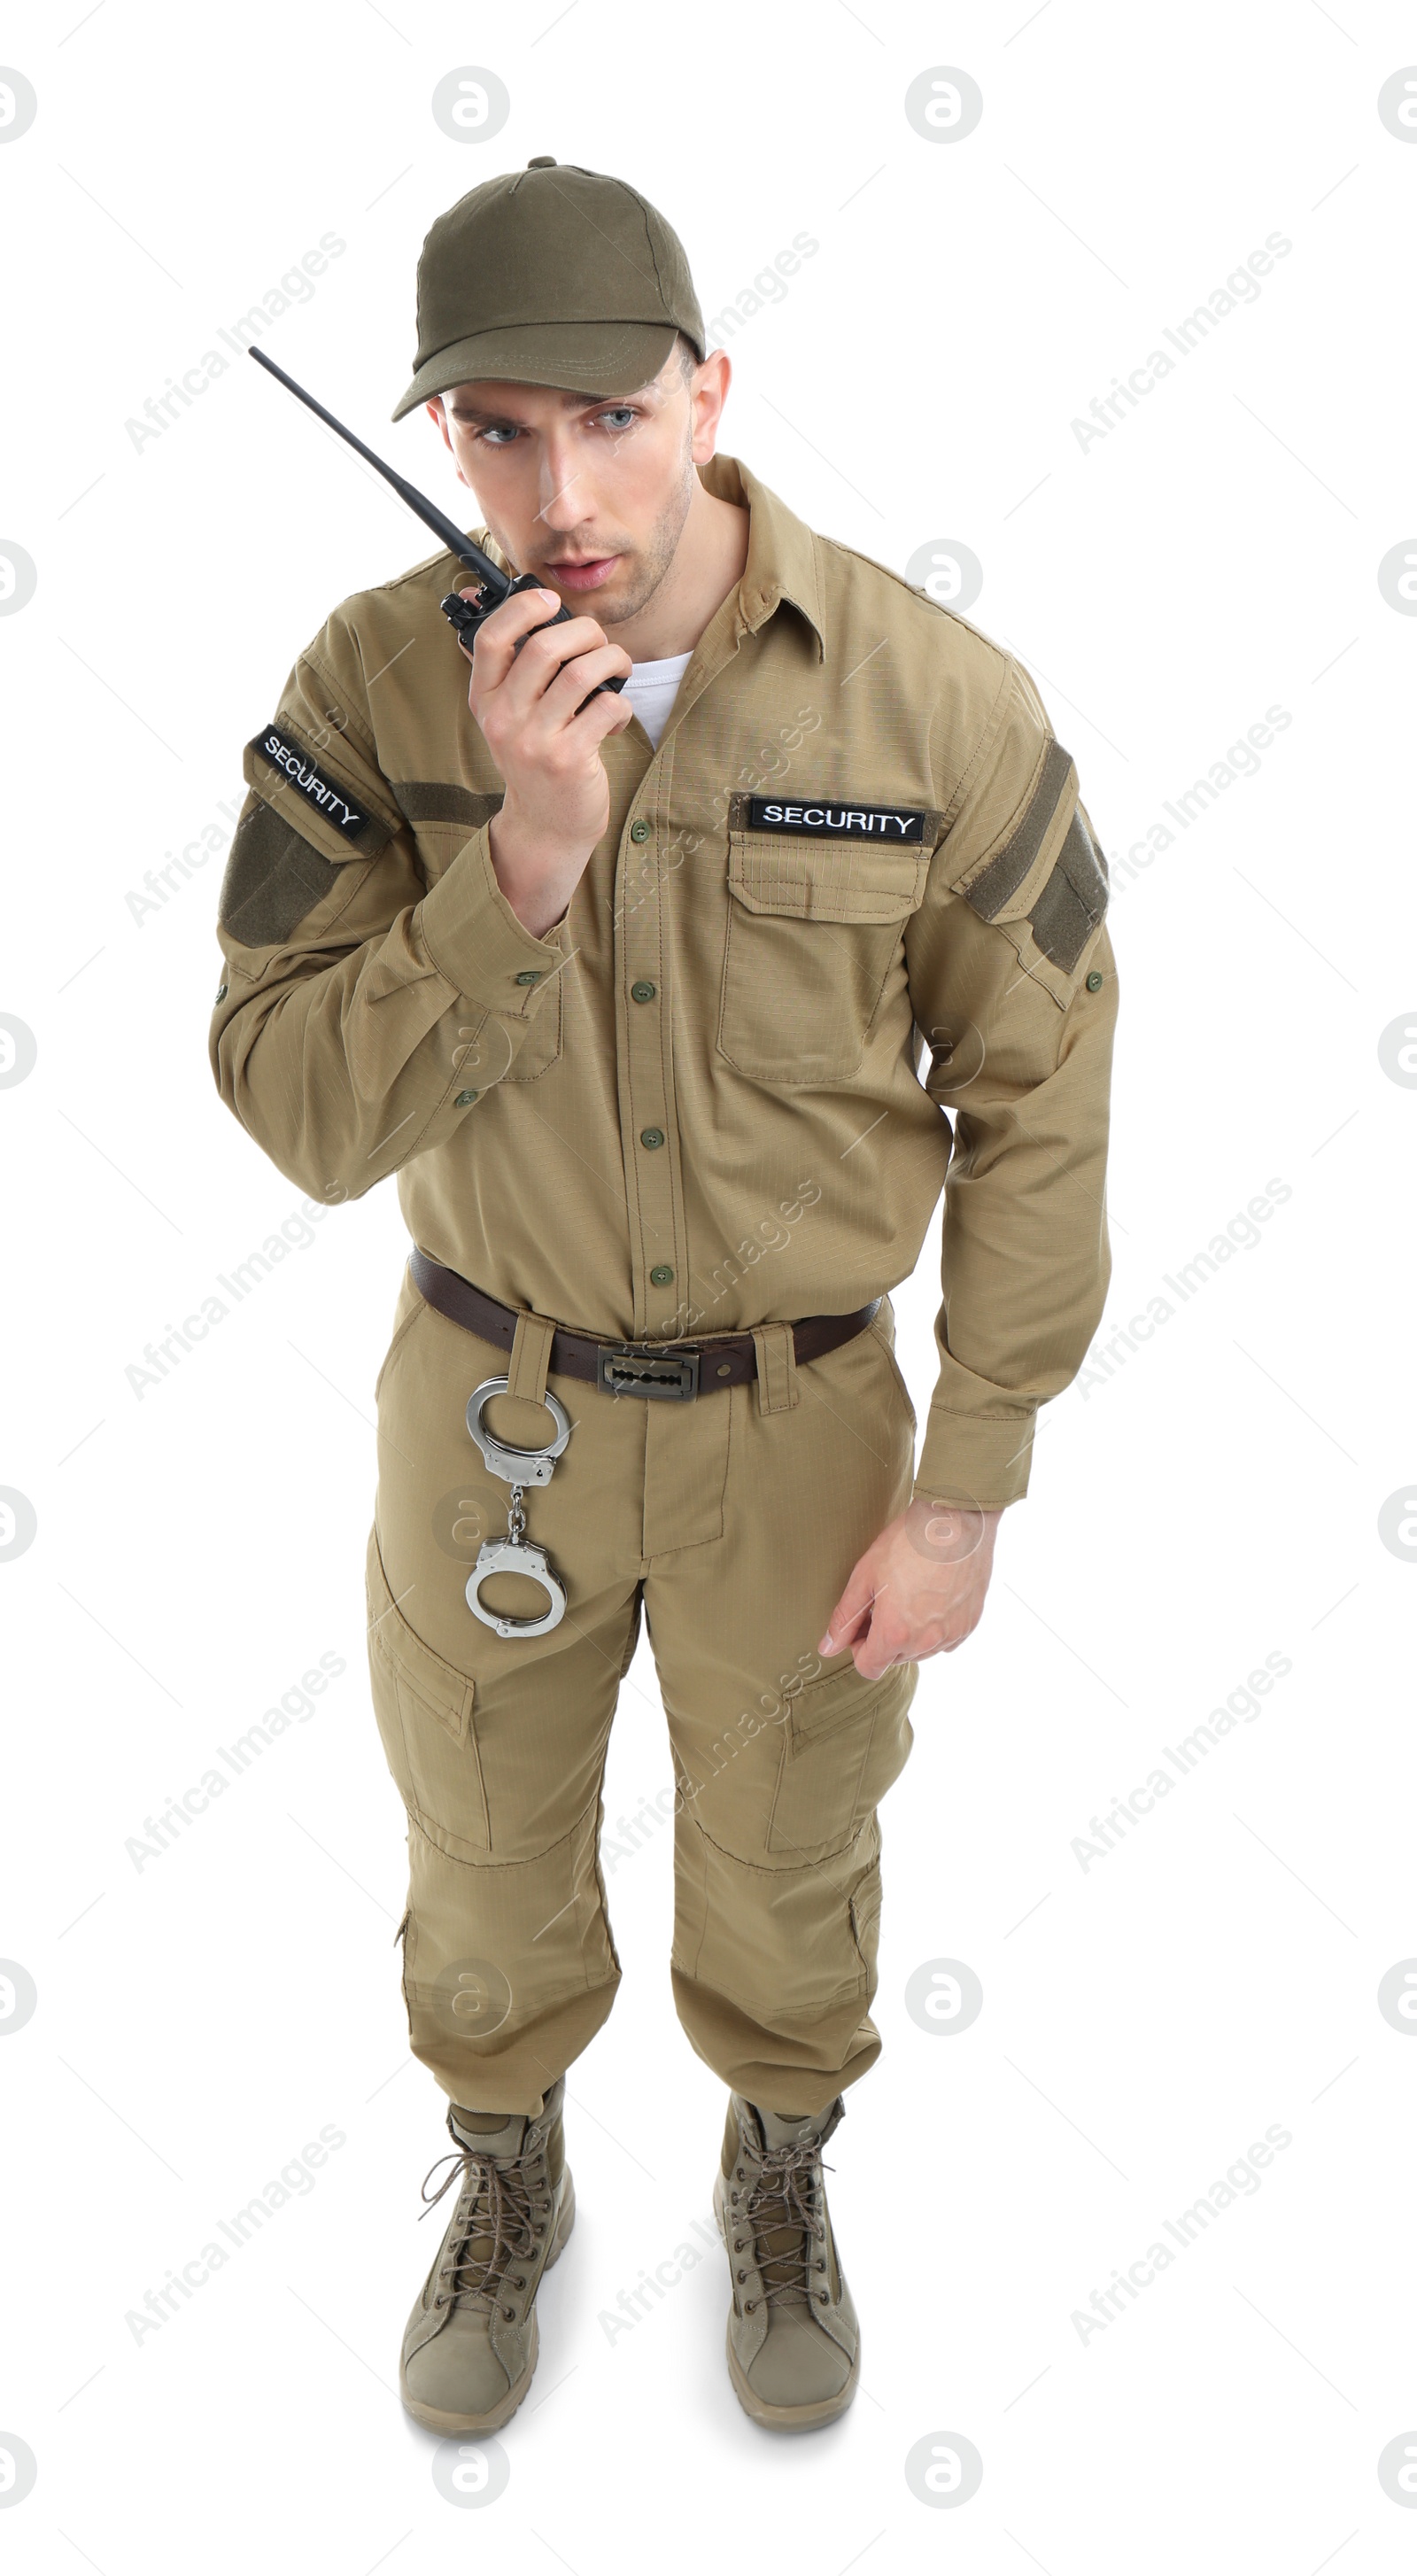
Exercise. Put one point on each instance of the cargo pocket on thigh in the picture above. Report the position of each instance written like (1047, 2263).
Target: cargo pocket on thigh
(404, 1939)
(845, 1740)
(866, 1915)
(424, 1709)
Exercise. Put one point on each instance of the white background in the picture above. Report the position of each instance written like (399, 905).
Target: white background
(1199, 1502)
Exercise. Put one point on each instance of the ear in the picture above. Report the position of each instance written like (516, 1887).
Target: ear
(709, 394)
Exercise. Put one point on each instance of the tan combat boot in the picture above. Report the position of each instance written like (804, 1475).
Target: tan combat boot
(793, 2340)
(470, 2345)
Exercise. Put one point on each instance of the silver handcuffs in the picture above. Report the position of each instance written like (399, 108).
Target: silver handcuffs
(516, 1554)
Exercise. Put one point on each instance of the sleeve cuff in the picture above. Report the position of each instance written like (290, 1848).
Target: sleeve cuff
(476, 940)
(977, 1459)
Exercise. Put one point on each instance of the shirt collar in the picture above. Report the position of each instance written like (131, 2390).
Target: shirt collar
(782, 556)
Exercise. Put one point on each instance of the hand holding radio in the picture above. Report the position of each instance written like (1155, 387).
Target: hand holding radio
(540, 696)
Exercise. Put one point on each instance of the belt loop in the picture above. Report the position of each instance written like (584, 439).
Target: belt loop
(778, 1390)
(531, 1353)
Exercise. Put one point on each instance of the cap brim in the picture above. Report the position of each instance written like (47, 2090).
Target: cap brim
(576, 357)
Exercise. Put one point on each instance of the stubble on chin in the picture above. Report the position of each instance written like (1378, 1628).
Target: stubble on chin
(648, 566)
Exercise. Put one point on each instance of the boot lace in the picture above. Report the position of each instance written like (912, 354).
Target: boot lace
(501, 2215)
(784, 2202)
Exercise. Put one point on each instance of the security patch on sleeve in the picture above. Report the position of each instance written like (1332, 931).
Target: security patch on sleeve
(823, 819)
(332, 799)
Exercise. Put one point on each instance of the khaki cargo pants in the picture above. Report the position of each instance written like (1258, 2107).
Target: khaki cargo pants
(734, 1521)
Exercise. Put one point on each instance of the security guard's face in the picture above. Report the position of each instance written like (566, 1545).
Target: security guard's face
(587, 493)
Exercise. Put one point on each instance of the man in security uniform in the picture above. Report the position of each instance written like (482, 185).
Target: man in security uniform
(658, 998)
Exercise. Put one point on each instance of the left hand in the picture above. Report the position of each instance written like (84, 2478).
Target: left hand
(918, 1590)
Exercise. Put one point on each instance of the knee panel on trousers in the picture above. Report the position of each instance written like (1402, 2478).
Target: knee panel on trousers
(506, 1963)
(785, 1945)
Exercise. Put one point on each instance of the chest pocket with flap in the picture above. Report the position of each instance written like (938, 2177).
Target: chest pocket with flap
(814, 930)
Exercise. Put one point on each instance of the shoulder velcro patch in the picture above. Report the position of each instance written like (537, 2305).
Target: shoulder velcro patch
(1072, 901)
(997, 883)
(273, 879)
(329, 796)
(1067, 897)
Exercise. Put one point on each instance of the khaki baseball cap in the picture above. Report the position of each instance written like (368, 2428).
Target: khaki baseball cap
(552, 275)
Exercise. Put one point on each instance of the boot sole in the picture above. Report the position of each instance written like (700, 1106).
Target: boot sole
(778, 2419)
(436, 2419)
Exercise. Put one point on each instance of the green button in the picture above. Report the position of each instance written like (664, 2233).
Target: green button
(1094, 982)
(464, 1100)
(223, 989)
(639, 831)
(530, 975)
(638, 992)
(651, 1135)
(661, 1274)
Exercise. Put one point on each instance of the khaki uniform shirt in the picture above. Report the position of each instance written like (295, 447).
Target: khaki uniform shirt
(840, 946)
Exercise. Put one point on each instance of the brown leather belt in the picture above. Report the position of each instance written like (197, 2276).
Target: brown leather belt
(672, 1371)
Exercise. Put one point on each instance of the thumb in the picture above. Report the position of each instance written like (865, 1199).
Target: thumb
(854, 1603)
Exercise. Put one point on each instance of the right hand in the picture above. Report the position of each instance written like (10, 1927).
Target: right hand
(546, 743)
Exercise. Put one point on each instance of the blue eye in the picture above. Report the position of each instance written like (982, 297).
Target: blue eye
(618, 416)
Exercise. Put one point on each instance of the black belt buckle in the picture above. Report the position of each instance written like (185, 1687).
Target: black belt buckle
(644, 1368)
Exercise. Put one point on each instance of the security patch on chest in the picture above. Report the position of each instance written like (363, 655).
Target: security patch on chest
(331, 799)
(819, 818)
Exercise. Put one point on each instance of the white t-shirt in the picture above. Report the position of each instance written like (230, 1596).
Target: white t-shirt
(652, 688)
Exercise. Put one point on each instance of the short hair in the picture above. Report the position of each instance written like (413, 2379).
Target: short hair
(687, 355)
